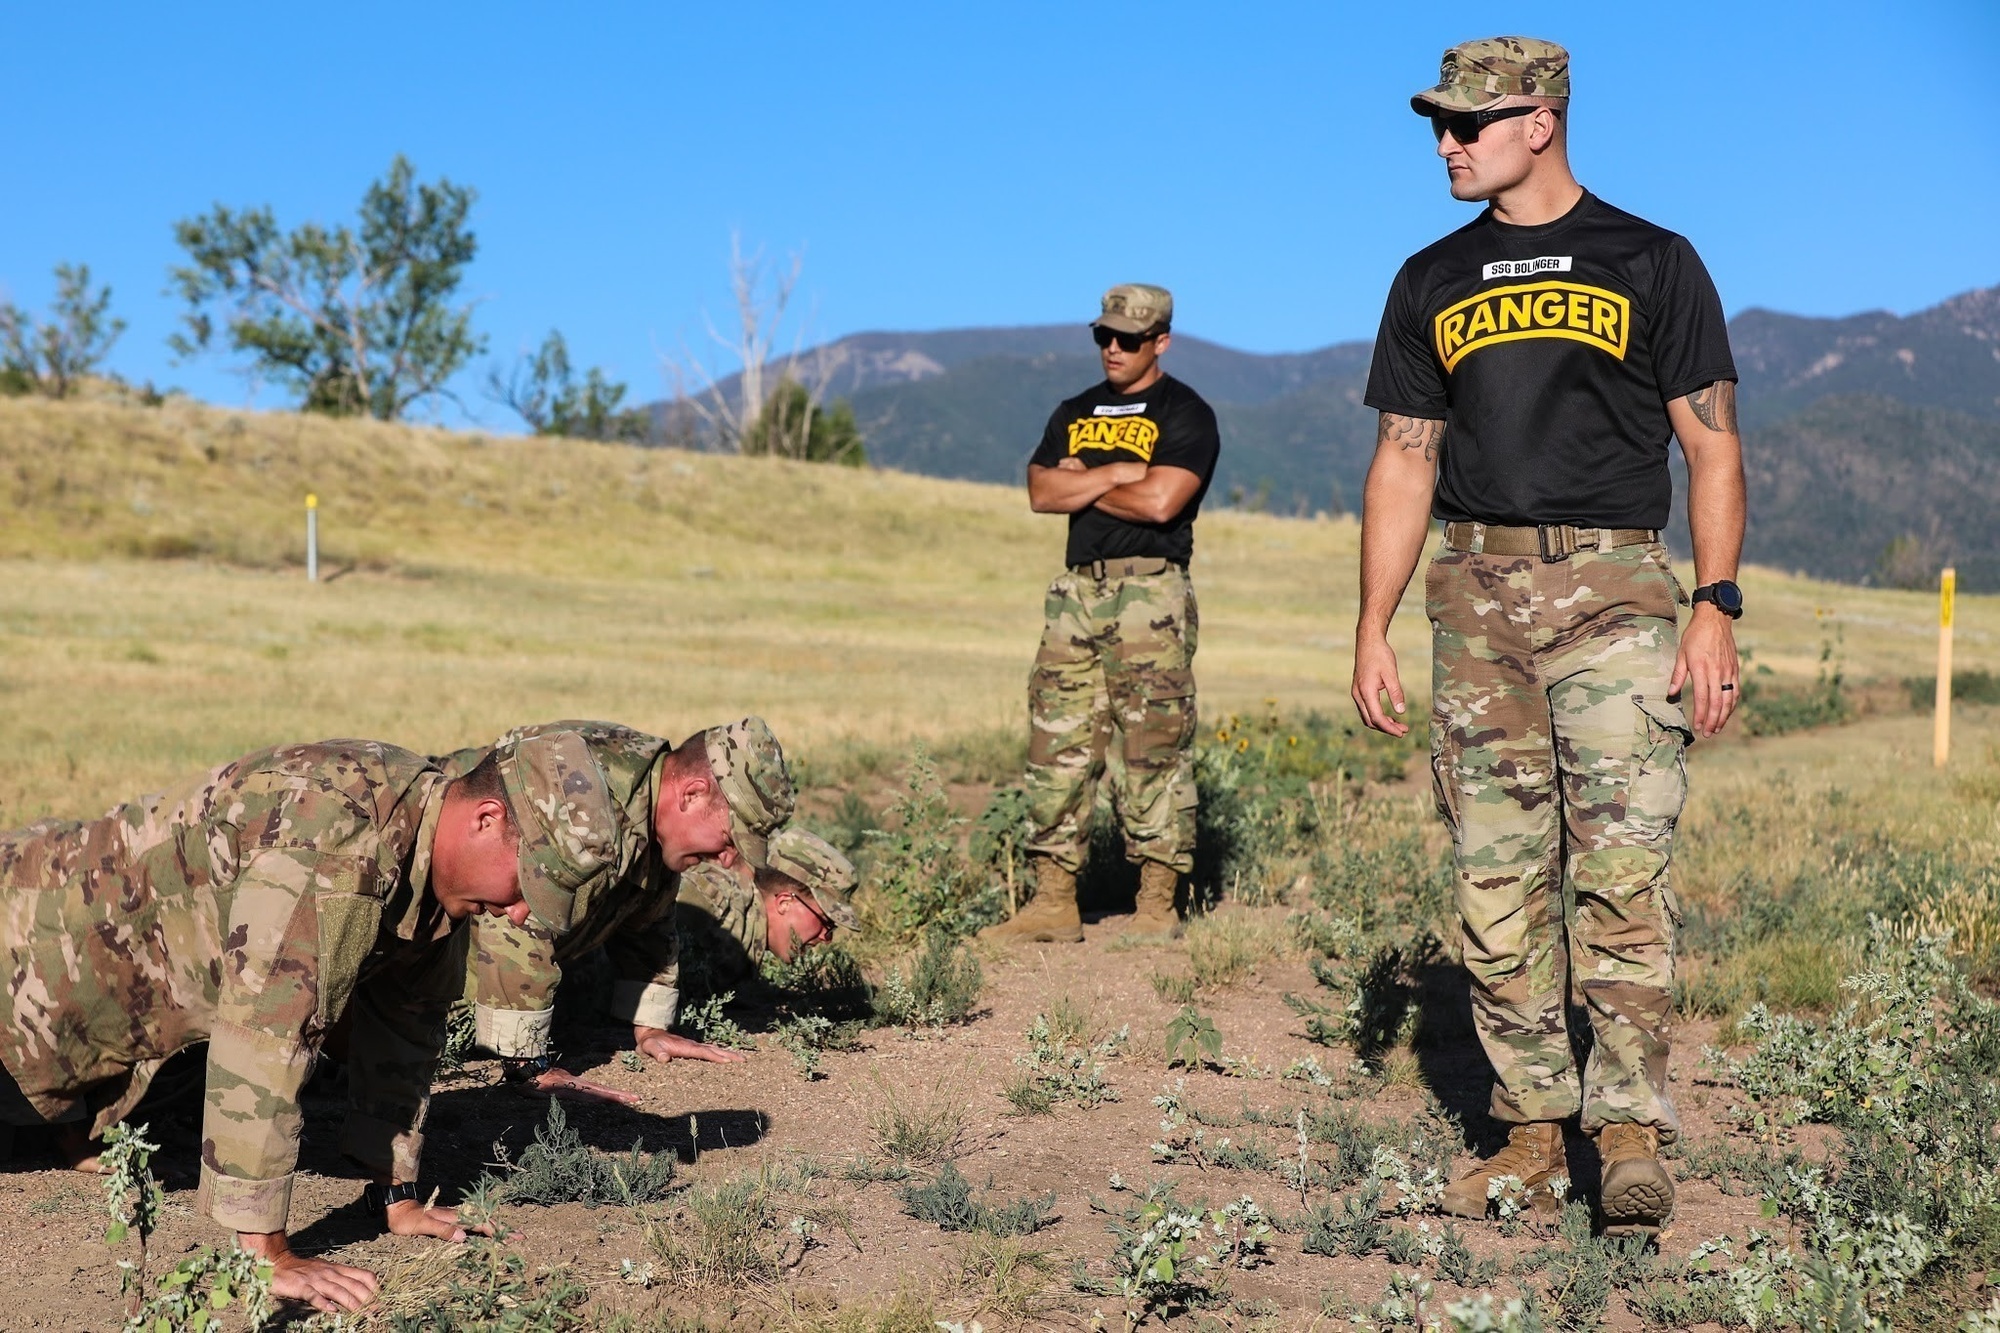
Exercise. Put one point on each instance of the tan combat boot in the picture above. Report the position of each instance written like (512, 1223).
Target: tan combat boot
(1155, 916)
(1534, 1155)
(1050, 917)
(1638, 1194)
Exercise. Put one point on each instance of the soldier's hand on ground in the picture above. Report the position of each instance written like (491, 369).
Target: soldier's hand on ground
(663, 1046)
(1374, 675)
(325, 1286)
(562, 1083)
(407, 1217)
(1706, 663)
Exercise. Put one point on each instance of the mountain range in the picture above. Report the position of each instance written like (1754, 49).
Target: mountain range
(1872, 442)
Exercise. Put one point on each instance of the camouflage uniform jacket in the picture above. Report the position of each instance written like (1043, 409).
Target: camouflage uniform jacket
(629, 911)
(250, 908)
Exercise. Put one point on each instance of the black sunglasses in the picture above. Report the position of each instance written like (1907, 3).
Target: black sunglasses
(1466, 125)
(1127, 342)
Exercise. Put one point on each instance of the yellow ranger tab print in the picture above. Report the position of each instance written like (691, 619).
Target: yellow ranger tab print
(1138, 435)
(1533, 310)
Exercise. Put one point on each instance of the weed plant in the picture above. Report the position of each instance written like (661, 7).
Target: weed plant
(749, 1228)
(1058, 1068)
(709, 1023)
(489, 1288)
(918, 1128)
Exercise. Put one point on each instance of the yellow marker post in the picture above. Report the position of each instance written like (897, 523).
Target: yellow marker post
(1941, 735)
(312, 539)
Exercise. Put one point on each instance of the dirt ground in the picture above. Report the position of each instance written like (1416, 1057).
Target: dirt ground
(63, 1277)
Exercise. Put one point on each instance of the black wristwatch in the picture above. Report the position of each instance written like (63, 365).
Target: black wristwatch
(377, 1198)
(1727, 597)
(526, 1069)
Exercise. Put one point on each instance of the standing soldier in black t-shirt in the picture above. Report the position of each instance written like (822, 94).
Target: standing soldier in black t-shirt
(1129, 462)
(1530, 369)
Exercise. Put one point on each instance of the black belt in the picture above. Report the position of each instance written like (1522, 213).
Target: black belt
(1130, 567)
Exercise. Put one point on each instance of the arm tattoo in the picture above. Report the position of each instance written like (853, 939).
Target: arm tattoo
(1411, 433)
(1715, 406)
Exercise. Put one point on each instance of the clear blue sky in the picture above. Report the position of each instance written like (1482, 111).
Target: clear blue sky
(944, 165)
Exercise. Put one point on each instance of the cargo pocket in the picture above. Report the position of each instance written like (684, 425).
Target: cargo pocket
(1167, 719)
(1658, 786)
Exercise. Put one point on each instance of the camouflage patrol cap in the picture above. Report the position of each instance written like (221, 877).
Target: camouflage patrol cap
(1475, 75)
(749, 768)
(1136, 307)
(568, 824)
(820, 867)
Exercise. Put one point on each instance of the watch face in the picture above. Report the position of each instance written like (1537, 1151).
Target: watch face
(1729, 597)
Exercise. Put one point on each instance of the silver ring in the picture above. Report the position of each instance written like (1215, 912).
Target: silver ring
(1729, 685)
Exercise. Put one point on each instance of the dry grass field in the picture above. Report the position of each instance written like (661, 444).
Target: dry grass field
(154, 619)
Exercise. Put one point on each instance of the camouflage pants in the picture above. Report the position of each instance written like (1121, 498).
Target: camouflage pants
(1116, 656)
(1557, 761)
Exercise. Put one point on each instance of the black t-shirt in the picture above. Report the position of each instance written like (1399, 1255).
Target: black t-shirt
(1167, 425)
(1551, 353)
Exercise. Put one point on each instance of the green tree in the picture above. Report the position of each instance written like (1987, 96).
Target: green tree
(792, 425)
(542, 390)
(358, 320)
(50, 358)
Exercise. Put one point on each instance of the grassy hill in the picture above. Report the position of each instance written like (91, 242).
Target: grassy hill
(154, 617)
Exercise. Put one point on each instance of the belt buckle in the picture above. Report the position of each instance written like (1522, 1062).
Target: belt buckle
(1563, 546)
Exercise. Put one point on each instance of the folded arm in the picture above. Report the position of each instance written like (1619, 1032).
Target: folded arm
(1156, 497)
(1070, 487)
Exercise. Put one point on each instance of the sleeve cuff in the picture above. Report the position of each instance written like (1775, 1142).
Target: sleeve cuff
(256, 1206)
(516, 1034)
(382, 1145)
(645, 1003)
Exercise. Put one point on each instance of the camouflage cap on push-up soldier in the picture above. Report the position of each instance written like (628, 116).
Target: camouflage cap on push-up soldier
(1476, 75)
(820, 867)
(750, 772)
(569, 827)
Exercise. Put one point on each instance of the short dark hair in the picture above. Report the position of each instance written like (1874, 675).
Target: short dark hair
(690, 758)
(482, 782)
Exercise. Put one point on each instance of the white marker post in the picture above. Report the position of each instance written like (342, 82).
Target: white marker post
(1941, 734)
(312, 539)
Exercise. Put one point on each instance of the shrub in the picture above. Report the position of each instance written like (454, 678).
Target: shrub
(943, 986)
(948, 1202)
(558, 1167)
(1967, 687)
(1770, 709)
(920, 880)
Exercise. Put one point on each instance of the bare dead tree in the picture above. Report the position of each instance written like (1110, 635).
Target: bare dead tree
(743, 422)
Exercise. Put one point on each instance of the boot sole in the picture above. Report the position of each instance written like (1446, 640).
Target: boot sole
(1638, 1207)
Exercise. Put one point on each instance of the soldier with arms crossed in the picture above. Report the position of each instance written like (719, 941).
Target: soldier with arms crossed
(1529, 371)
(1129, 462)
(254, 908)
